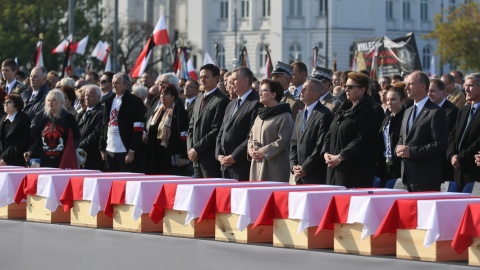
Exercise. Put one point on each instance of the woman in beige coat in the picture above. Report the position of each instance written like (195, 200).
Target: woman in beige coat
(269, 139)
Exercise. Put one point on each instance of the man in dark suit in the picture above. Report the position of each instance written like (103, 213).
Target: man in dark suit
(464, 142)
(237, 122)
(282, 73)
(90, 124)
(307, 141)
(190, 91)
(205, 124)
(122, 129)
(9, 69)
(106, 86)
(438, 95)
(34, 98)
(423, 137)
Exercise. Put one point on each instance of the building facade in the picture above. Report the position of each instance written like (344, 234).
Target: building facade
(291, 28)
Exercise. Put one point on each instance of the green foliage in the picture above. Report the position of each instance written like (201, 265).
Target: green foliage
(458, 36)
(21, 22)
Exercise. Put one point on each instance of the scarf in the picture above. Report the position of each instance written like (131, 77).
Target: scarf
(165, 125)
(267, 112)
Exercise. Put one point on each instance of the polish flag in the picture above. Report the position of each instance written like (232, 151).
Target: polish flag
(108, 65)
(100, 51)
(39, 55)
(207, 59)
(160, 34)
(191, 70)
(143, 58)
(79, 47)
(62, 47)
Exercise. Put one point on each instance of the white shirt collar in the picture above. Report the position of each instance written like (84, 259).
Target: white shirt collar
(245, 95)
(420, 104)
(310, 108)
(190, 100)
(11, 118)
(322, 97)
(441, 103)
(10, 85)
(210, 92)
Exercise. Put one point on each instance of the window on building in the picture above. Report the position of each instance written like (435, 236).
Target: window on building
(424, 10)
(223, 9)
(295, 8)
(221, 56)
(427, 57)
(262, 55)
(451, 5)
(323, 8)
(245, 8)
(406, 10)
(266, 8)
(295, 52)
(389, 9)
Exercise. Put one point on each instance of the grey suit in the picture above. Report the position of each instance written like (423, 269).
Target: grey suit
(306, 146)
(427, 139)
(203, 130)
(233, 136)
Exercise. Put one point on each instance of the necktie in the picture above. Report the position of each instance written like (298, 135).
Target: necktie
(86, 115)
(186, 104)
(470, 117)
(8, 90)
(237, 106)
(304, 122)
(33, 97)
(295, 92)
(203, 102)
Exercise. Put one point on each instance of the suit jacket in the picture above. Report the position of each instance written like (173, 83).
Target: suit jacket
(204, 127)
(427, 139)
(190, 109)
(90, 125)
(18, 88)
(35, 106)
(331, 102)
(295, 104)
(306, 146)
(152, 109)
(106, 97)
(452, 111)
(468, 171)
(16, 139)
(130, 118)
(233, 135)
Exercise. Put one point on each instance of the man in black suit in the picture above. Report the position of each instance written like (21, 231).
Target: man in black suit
(34, 98)
(464, 142)
(106, 86)
(237, 122)
(90, 124)
(423, 137)
(9, 69)
(438, 95)
(311, 125)
(205, 124)
(122, 129)
(190, 91)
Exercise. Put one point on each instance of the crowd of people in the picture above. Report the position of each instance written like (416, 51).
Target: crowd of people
(328, 127)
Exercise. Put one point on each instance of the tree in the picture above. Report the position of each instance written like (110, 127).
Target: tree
(21, 22)
(459, 36)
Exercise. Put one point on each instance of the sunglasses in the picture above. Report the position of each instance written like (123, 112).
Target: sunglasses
(104, 81)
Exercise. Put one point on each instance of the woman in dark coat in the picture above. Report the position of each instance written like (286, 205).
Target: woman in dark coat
(350, 148)
(166, 145)
(50, 129)
(389, 165)
(14, 131)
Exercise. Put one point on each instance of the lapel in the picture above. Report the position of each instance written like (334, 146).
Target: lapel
(13, 125)
(208, 102)
(423, 113)
(310, 120)
(473, 121)
(81, 119)
(406, 115)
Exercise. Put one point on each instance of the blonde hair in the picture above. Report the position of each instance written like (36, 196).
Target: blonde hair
(60, 97)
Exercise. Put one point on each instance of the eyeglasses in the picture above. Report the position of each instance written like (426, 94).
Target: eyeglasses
(104, 81)
(350, 87)
(7, 102)
(264, 90)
